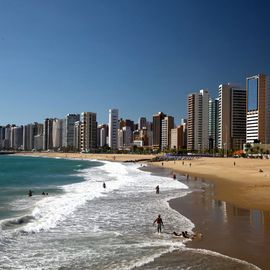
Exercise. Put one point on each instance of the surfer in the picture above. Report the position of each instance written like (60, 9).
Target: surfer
(104, 185)
(157, 189)
(159, 222)
(30, 193)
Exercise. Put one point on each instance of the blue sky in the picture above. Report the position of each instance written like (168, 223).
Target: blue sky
(141, 56)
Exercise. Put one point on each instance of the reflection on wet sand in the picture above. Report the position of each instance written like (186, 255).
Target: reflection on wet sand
(257, 218)
(227, 229)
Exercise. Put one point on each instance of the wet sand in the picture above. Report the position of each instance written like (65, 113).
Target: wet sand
(236, 232)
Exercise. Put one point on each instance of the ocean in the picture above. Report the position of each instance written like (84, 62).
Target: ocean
(81, 225)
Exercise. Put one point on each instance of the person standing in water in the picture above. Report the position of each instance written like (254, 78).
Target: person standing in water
(30, 193)
(159, 222)
(157, 189)
(104, 185)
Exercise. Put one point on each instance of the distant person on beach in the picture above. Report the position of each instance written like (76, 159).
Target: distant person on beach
(30, 193)
(234, 163)
(162, 163)
(159, 222)
(174, 176)
(157, 189)
(189, 164)
(104, 185)
(183, 162)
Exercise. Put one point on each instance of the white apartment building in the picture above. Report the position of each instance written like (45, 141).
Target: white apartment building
(198, 119)
(258, 108)
(252, 126)
(166, 125)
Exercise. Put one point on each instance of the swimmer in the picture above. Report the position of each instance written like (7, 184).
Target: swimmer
(159, 222)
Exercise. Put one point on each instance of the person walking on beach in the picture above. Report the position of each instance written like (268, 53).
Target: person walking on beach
(157, 189)
(159, 222)
(104, 185)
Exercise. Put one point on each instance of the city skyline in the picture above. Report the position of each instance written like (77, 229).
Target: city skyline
(61, 57)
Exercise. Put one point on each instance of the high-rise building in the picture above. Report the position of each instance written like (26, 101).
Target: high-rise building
(28, 137)
(102, 133)
(167, 124)
(57, 133)
(88, 131)
(157, 129)
(47, 134)
(258, 109)
(213, 123)
(125, 132)
(2, 136)
(141, 122)
(16, 137)
(113, 128)
(77, 135)
(178, 137)
(198, 118)
(68, 129)
(231, 117)
(7, 137)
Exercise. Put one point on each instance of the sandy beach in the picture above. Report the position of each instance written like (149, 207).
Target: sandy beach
(245, 184)
(109, 157)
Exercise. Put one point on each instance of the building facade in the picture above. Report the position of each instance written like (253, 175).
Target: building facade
(198, 121)
(213, 123)
(157, 129)
(88, 133)
(167, 124)
(68, 129)
(258, 109)
(113, 128)
(231, 117)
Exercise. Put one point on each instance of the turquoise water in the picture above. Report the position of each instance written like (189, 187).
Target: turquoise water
(20, 174)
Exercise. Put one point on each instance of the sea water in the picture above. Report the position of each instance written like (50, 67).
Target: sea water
(81, 225)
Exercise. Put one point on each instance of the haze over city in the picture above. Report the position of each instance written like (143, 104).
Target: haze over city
(60, 57)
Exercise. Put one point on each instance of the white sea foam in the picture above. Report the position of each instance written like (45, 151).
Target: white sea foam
(50, 211)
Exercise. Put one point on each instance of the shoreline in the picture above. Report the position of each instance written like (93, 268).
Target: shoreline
(242, 185)
(229, 227)
(226, 229)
